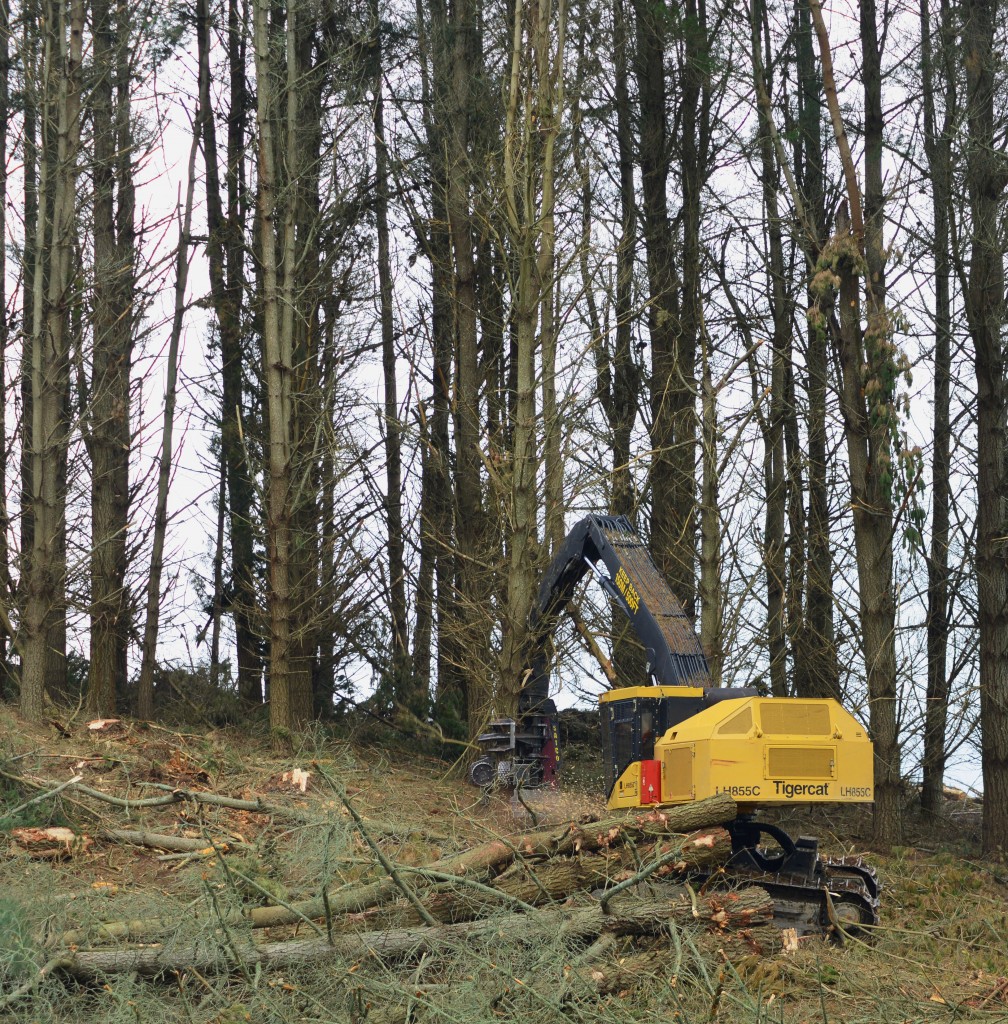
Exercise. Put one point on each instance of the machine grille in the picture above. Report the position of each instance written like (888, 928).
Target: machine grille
(677, 782)
(801, 762)
(794, 718)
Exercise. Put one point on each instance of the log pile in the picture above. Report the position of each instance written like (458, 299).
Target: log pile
(587, 882)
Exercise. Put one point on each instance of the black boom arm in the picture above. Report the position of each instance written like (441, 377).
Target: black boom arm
(609, 548)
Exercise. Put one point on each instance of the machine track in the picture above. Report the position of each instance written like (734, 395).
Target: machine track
(843, 898)
(832, 896)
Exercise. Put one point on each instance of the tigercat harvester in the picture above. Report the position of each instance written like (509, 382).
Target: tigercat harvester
(678, 739)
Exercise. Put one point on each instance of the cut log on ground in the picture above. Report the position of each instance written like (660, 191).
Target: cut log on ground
(722, 911)
(481, 862)
(553, 879)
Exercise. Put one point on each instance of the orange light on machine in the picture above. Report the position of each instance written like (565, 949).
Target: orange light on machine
(650, 777)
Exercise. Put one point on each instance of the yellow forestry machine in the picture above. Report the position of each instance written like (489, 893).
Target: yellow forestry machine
(678, 739)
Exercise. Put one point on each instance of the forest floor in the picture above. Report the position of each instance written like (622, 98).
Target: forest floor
(941, 952)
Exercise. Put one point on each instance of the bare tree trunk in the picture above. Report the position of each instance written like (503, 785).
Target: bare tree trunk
(45, 600)
(522, 534)
(617, 374)
(5, 574)
(869, 366)
(108, 433)
(549, 106)
(781, 311)
(987, 179)
(393, 432)
(145, 685)
(247, 618)
(225, 253)
(694, 145)
(817, 671)
(470, 521)
(34, 115)
(438, 556)
(672, 539)
(937, 147)
(529, 170)
(278, 356)
(710, 526)
(216, 611)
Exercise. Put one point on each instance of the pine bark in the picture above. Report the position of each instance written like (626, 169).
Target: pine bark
(107, 432)
(817, 672)
(672, 534)
(148, 662)
(278, 373)
(772, 425)
(45, 598)
(226, 253)
(6, 585)
(987, 180)
(937, 147)
(401, 673)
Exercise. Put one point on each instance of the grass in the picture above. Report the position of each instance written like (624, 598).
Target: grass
(940, 954)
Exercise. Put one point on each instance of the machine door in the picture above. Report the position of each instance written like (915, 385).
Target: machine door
(620, 738)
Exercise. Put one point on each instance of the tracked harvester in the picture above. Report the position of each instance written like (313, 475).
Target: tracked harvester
(676, 739)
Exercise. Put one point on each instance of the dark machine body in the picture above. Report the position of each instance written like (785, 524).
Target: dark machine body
(675, 739)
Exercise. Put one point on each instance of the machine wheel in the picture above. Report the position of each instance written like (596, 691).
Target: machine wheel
(482, 772)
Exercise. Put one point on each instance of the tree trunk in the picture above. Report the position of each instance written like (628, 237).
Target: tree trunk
(529, 170)
(5, 575)
(549, 101)
(781, 311)
(145, 685)
(870, 371)
(438, 555)
(987, 179)
(694, 146)
(108, 432)
(937, 148)
(45, 599)
(817, 672)
(278, 358)
(225, 252)
(400, 667)
(473, 620)
(34, 102)
(622, 377)
(710, 526)
(672, 539)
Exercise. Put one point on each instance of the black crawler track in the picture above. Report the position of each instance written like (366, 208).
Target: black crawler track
(813, 895)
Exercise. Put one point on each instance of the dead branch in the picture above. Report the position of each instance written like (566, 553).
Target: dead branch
(174, 844)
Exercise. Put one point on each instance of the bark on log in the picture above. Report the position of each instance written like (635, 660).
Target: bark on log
(538, 882)
(722, 911)
(175, 844)
(480, 861)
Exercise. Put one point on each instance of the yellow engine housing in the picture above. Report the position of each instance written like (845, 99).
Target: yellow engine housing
(760, 750)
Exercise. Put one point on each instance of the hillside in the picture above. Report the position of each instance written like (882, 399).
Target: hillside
(939, 953)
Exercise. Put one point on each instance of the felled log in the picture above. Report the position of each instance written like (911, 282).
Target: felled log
(554, 879)
(720, 911)
(481, 862)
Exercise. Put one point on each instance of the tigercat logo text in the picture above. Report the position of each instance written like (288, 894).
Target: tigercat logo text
(789, 790)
